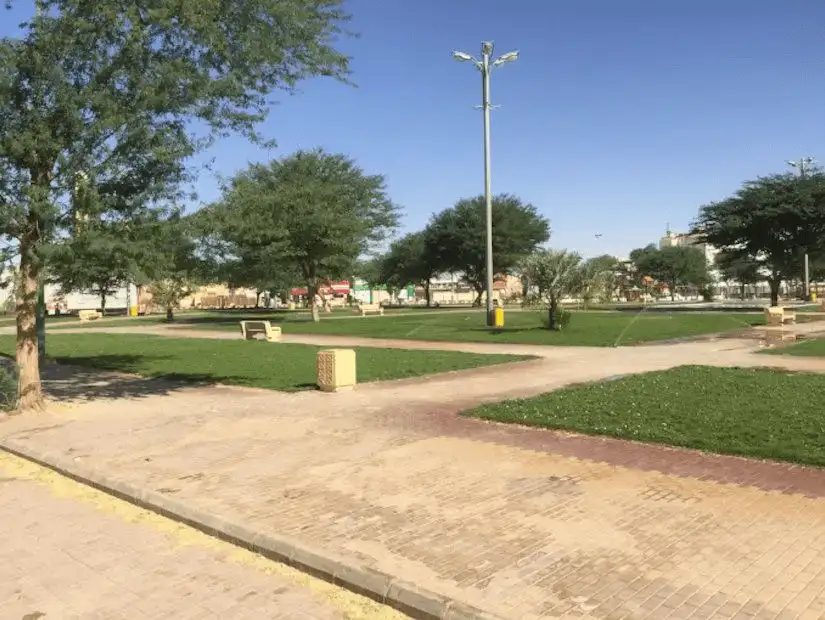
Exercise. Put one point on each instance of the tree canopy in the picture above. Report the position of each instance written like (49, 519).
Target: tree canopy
(111, 88)
(773, 221)
(674, 266)
(457, 237)
(313, 211)
(409, 261)
(736, 265)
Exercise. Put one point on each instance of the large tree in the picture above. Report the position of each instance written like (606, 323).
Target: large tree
(674, 266)
(553, 274)
(110, 88)
(773, 220)
(100, 251)
(410, 261)
(737, 266)
(315, 211)
(170, 266)
(457, 237)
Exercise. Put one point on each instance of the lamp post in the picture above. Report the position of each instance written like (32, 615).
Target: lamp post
(802, 165)
(485, 65)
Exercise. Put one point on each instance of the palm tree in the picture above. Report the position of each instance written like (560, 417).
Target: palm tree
(554, 274)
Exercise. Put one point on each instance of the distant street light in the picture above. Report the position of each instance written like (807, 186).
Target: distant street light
(484, 66)
(803, 164)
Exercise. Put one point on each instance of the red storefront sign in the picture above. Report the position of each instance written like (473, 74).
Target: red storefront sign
(335, 288)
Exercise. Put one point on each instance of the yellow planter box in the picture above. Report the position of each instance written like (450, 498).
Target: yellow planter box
(335, 369)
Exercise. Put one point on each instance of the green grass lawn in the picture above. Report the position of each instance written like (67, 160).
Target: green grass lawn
(806, 348)
(750, 412)
(274, 366)
(594, 329)
(72, 322)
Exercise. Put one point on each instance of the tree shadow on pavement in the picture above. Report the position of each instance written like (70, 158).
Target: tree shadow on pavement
(76, 381)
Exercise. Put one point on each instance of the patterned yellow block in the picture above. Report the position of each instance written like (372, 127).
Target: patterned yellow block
(336, 369)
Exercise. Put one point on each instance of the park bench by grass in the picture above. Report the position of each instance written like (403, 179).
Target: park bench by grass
(89, 315)
(364, 309)
(777, 315)
(250, 330)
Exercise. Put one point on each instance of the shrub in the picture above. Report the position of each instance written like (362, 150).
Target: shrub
(563, 318)
(707, 292)
(8, 384)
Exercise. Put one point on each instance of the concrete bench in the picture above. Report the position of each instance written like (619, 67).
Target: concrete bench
(364, 309)
(250, 330)
(777, 315)
(89, 315)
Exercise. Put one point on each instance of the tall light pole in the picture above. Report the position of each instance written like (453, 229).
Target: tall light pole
(485, 65)
(802, 164)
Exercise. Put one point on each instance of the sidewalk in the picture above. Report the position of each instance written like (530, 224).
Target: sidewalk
(72, 552)
(522, 523)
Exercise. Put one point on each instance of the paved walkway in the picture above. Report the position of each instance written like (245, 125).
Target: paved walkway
(526, 524)
(69, 552)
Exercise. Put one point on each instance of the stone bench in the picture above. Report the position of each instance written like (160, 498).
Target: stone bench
(250, 330)
(777, 315)
(89, 315)
(365, 309)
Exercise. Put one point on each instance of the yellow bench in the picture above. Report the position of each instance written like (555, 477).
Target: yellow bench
(363, 309)
(89, 315)
(777, 315)
(250, 330)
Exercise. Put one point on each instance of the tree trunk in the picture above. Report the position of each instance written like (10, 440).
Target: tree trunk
(170, 314)
(742, 291)
(29, 389)
(312, 291)
(551, 315)
(774, 283)
(103, 302)
(427, 293)
(257, 299)
(479, 294)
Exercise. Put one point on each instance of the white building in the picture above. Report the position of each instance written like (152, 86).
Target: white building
(71, 302)
(672, 239)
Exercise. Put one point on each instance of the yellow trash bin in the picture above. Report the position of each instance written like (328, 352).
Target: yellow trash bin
(498, 317)
(133, 311)
(813, 296)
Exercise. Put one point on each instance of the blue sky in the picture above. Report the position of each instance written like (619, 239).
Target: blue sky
(620, 116)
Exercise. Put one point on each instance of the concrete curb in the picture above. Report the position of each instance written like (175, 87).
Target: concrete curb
(406, 597)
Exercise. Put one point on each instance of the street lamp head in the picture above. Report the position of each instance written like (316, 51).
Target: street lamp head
(462, 56)
(508, 57)
(487, 48)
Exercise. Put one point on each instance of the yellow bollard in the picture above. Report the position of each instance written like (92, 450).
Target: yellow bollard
(498, 317)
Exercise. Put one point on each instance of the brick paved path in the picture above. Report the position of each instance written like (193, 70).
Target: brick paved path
(524, 523)
(69, 552)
